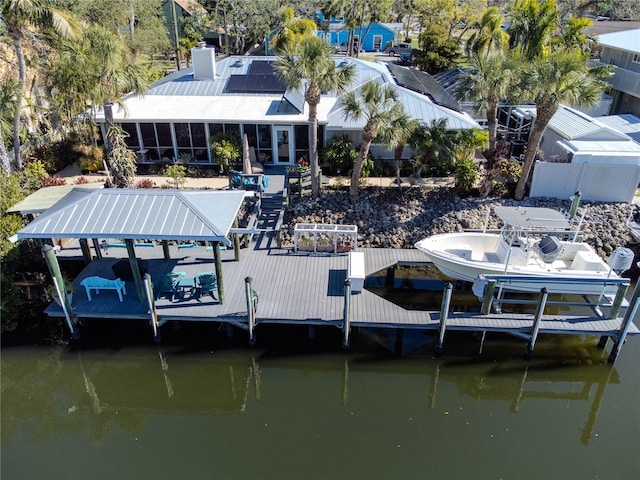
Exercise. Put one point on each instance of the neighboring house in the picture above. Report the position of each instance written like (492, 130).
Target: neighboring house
(241, 95)
(622, 49)
(581, 153)
(183, 8)
(372, 37)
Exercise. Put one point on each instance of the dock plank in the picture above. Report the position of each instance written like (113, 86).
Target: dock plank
(300, 288)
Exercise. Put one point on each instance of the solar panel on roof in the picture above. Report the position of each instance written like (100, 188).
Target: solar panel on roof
(255, 84)
(422, 82)
(261, 68)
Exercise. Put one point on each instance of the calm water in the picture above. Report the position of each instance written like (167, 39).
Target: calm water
(213, 410)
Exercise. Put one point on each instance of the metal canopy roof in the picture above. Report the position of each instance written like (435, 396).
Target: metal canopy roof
(533, 217)
(46, 197)
(140, 214)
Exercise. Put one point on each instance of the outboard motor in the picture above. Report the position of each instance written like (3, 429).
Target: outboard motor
(549, 248)
(621, 260)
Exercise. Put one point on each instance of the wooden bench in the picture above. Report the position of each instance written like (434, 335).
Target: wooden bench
(99, 283)
(355, 271)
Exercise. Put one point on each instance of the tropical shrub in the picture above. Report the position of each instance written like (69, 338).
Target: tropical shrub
(145, 183)
(465, 175)
(339, 155)
(90, 157)
(226, 148)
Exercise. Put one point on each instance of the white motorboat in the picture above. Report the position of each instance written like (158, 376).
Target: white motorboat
(531, 243)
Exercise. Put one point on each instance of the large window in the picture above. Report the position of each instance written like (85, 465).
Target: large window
(156, 139)
(302, 141)
(131, 137)
(264, 151)
(191, 142)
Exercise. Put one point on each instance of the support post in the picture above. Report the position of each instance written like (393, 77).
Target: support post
(535, 328)
(487, 299)
(218, 262)
(390, 277)
(251, 315)
(165, 250)
(86, 251)
(135, 270)
(236, 242)
(58, 281)
(96, 248)
(444, 313)
(617, 301)
(148, 290)
(575, 201)
(634, 305)
(346, 315)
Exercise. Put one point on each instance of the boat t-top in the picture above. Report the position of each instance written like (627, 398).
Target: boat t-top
(533, 241)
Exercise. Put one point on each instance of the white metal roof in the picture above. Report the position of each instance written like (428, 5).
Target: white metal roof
(46, 197)
(627, 40)
(140, 214)
(626, 123)
(572, 124)
(180, 98)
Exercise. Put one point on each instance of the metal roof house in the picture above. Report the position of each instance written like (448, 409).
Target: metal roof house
(372, 37)
(622, 49)
(242, 95)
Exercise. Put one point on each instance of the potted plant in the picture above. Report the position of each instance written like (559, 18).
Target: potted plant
(226, 149)
(52, 292)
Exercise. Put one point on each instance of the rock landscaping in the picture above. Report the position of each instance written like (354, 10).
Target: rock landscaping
(391, 218)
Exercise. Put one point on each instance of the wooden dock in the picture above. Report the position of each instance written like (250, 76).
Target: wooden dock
(303, 289)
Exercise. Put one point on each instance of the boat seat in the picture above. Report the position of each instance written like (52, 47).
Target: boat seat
(588, 261)
(463, 251)
(549, 248)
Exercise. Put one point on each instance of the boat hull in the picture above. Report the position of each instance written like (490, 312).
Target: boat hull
(465, 256)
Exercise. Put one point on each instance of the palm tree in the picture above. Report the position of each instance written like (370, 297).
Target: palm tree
(8, 103)
(310, 66)
(397, 137)
(96, 70)
(487, 83)
(433, 146)
(379, 107)
(19, 16)
(489, 33)
(560, 77)
(533, 23)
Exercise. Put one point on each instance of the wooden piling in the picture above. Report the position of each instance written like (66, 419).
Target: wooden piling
(251, 317)
(86, 251)
(148, 290)
(58, 281)
(444, 313)
(487, 299)
(135, 269)
(96, 248)
(165, 250)
(346, 320)
(218, 261)
(542, 301)
(634, 306)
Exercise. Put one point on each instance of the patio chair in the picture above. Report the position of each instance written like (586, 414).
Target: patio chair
(206, 283)
(165, 285)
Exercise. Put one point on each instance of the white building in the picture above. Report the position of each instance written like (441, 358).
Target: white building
(622, 49)
(178, 114)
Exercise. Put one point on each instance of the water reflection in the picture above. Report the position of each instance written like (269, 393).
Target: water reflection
(55, 392)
